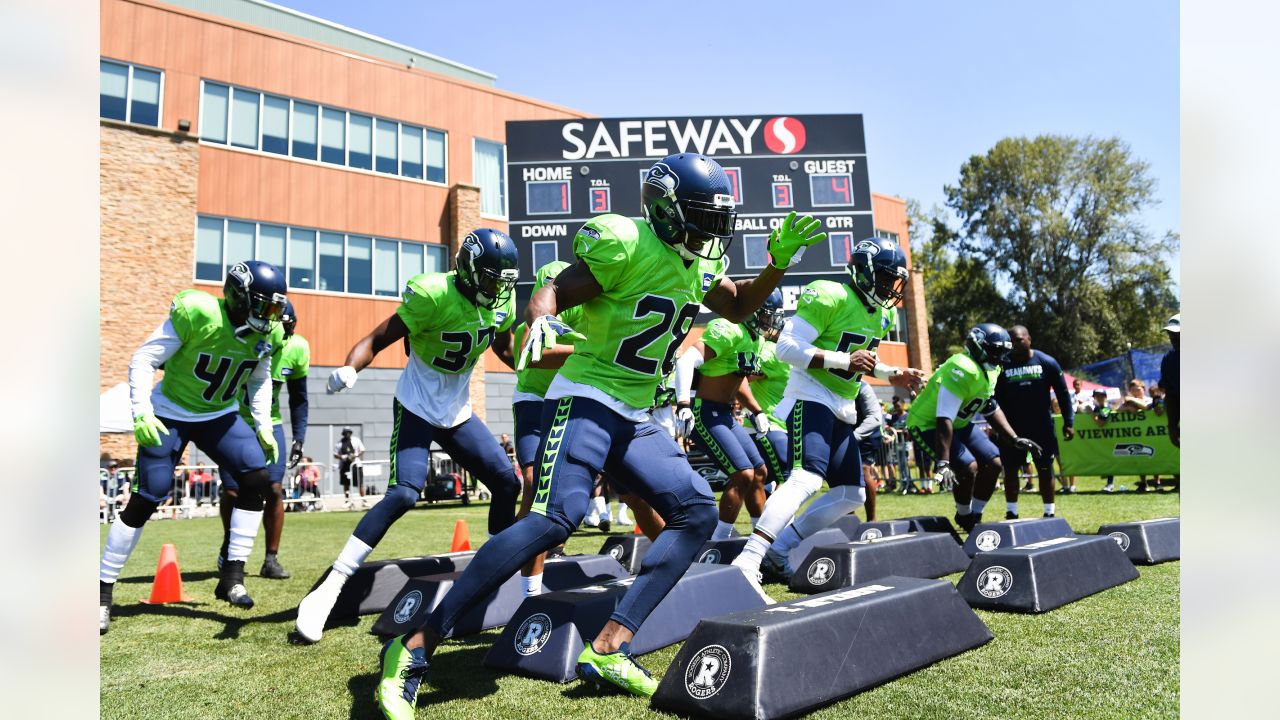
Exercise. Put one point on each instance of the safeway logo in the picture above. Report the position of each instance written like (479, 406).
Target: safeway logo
(784, 135)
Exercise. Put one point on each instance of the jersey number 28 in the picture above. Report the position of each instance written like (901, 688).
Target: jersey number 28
(673, 322)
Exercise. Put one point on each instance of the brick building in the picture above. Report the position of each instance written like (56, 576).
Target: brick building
(233, 129)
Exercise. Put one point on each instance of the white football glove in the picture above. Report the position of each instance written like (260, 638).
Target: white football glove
(543, 335)
(761, 421)
(344, 378)
(684, 421)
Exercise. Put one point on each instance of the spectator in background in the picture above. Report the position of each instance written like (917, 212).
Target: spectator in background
(1100, 411)
(348, 452)
(309, 480)
(867, 434)
(1169, 380)
(1138, 401)
(510, 449)
(111, 481)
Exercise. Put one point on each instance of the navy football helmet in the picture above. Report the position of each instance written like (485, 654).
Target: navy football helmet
(289, 319)
(878, 271)
(767, 320)
(989, 344)
(688, 201)
(487, 265)
(256, 293)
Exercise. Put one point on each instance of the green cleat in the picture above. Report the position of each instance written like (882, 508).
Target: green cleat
(617, 669)
(402, 673)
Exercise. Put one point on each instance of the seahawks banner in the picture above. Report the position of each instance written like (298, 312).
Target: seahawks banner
(1131, 443)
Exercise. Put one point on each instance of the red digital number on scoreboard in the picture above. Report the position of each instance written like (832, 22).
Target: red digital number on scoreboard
(600, 199)
(547, 197)
(827, 190)
(782, 195)
(735, 181)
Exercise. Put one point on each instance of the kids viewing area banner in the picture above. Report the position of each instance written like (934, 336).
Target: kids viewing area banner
(1131, 443)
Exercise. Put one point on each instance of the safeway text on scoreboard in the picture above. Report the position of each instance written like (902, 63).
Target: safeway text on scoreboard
(563, 172)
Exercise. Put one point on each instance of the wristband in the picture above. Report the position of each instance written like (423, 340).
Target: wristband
(885, 372)
(832, 360)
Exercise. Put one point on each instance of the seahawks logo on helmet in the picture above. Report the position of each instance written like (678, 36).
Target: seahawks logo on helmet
(660, 176)
(240, 272)
(868, 247)
(471, 244)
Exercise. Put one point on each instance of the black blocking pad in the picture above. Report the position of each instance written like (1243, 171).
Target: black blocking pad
(826, 536)
(721, 552)
(628, 550)
(420, 595)
(1148, 542)
(922, 555)
(371, 588)
(879, 529)
(548, 632)
(797, 656)
(1045, 575)
(1012, 533)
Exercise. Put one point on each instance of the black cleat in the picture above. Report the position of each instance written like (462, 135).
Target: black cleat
(966, 522)
(104, 606)
(1010, 516)
(1050, 515)
(231, 585)
(271, 568)
(555, 552)
(604, 525)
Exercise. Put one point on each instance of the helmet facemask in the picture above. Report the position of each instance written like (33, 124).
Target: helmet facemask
(877, 284)
(247, 307)
(767, 322)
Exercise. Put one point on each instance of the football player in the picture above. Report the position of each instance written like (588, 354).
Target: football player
(640, 283)
(1022, 392)
(212, 350)
(830, 343)
(725, 356)
(767, 386)
(290, 366)
(450, 319)
(941, 421)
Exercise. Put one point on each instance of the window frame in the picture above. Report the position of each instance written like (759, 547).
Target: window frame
(128, 93)
(504, 192)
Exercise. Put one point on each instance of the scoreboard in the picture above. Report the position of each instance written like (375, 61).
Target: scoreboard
(563, 172)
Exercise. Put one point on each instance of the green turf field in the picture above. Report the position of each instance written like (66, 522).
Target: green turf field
(1112, 655)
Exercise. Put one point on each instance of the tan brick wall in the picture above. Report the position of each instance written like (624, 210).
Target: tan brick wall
(147, 250)
(464, 216)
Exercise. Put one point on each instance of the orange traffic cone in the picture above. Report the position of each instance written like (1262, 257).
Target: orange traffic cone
(167, 586)
(461, 540)
(637, 530)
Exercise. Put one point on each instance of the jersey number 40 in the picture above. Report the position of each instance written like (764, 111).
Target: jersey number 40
(671, 322)
(215, 377)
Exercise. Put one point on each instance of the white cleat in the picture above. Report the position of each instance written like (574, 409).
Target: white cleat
(592, 519)
(753, 579)
(314, 609)
(104, 619)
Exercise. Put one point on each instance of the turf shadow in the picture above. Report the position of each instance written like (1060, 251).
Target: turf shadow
(231, 623)
(459, 675)
(187, 577)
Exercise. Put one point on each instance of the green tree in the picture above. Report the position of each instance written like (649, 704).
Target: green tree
(1054, 224)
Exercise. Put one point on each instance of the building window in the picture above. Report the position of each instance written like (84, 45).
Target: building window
(209, 249)
(385, 146)
(544, 251)
(756, 249)
(360, 265)
(302, 259)
(129, 93)
(304, 130)
(333, 136)
(275, 125)
(317, 259)
(213, 114)
(888, 235)
(489, 163)
(307, 131)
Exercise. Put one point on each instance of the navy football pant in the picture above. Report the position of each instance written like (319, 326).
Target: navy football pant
(722, 438)
(967, 445)
(275, 470)
(528, 417)
(227, 440)
(583, 438)
(775, 447)
(470, 444)
(823, 445)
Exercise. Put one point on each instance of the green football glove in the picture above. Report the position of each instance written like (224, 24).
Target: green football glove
(545, 333)
(788, 241)
(268, 442)
(147, 430)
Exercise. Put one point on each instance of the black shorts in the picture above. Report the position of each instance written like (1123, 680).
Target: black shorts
(1012, 457)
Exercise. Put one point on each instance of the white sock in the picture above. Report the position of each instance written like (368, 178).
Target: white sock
(531, 584)
(121, 540)
(978, 505)
(754, 520)
(723, 530)
(622, 511)
(964, 509)
(599, 506)
(751, 555)
(1048, 509)
(927, 483)
(1011, 507)
(784, 503)
(787, 540)
(607, 515)
(771, 486)
(244, 528)
(352, 557)
(838, 502)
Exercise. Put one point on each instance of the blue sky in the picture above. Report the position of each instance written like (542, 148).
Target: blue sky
(937, 82)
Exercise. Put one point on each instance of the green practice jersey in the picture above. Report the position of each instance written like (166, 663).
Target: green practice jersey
(737, 350)
(535, 381)
(448, 332)
(768, 386)
(209, 371)
(292, 363)
(845, 325)
(964, 378)
(650, 299)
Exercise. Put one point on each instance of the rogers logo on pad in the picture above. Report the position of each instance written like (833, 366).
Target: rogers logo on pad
(784, 135)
